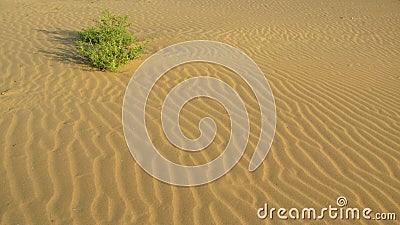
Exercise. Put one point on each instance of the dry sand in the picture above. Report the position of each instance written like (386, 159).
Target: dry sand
(333, 67)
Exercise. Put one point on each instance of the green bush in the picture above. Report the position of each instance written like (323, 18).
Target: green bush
(109, 44)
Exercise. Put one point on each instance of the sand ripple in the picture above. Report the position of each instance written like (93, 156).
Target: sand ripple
(333, 67)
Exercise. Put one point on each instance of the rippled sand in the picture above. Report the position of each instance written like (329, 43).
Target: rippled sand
(333, 67)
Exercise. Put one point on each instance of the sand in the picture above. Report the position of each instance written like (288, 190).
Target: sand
(333, 67)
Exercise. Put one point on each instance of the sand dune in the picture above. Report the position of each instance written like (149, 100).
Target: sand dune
(333, 68)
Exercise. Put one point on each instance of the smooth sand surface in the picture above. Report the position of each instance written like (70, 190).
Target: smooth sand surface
(333, 67)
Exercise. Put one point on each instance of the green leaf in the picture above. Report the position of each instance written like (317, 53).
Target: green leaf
(109, 44)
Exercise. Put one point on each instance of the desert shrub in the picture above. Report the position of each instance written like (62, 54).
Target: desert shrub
(109, 44)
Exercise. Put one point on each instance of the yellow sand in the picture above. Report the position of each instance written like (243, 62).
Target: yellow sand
(333, 67)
